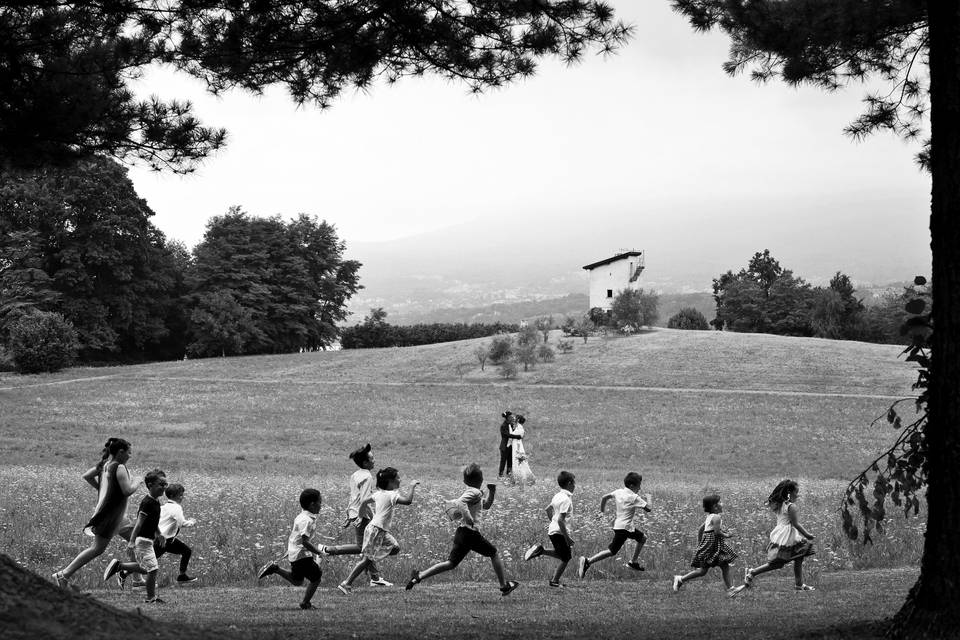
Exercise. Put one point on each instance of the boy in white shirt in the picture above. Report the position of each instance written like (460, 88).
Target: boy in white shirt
(629, 504)
(301, 552)
(171, 522)
(559, 511)
(468, 537)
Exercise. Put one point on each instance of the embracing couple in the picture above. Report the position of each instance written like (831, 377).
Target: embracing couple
(513, 456)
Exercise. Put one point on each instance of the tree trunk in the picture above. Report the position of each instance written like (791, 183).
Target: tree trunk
(932, 608)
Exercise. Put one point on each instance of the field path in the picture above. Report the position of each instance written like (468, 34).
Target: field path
(362, 383)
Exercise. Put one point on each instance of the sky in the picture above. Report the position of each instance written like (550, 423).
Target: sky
(657, 132)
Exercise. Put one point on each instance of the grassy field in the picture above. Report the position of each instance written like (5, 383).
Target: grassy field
(692, 411)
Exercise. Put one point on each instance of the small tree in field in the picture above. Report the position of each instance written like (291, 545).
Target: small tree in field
(583, 327)
(41, 341)
(508, 369)
(528, 335)
(544, 325)
(545, 353)
(632, 309)
(527, 354)
(688, 318)
(565, 346)
(482, 352)
(501, 349)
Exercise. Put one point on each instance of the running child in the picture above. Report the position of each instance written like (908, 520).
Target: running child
(629, 504)
(114, 486)
(712, 549)
(559, 511)
(378, 542)
(146, 534)
(789, 541)
(301, 552)
(468, 537)
(359, 512)
(171, 522)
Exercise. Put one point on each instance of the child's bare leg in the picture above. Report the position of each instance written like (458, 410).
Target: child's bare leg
(693, 575)
(96, 548)
(287, 575)
(638, 549)
(132, 567)
(311, 589)
(798, 571)
(357, 570)
(602, 555)
(373, 570)
(764, 568)
(560, 569)
(440, 567)
(151, 584)
(498, 569)
(342, 549)
(725, 572)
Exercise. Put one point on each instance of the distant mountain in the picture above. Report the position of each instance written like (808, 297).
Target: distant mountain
(466, 269)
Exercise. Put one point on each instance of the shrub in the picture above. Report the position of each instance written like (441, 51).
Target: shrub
(501, 349)
(688, 318)
(527, 354)
(509, 369)
(565, 346)
(545, 353)
(42, 341)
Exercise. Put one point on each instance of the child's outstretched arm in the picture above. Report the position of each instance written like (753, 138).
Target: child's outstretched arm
(92, 477)
(603, 501)
(792, 514)
(491, 492)
(408, 497)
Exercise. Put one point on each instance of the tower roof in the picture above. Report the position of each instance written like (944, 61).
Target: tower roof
(619, 256)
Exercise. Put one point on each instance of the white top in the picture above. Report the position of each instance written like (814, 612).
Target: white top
(304, 524)
(785, 534)
(473, 499)
(171, 519)
(561, 503)
(629, 505)
(383, 503)
(712, 523)
(361, 485)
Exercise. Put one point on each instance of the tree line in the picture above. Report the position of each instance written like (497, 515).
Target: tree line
(764, 297)
(375, 332)
(83, 269)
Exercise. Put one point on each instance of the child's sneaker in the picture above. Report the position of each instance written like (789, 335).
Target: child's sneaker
(677, 582)
(414, 579)
(267, 569)
(322, 548)
(636, 566)
(62, 582)
(184, 578)
(557, 585)
(113, 567)
(747, 577)
(121, 579)
(733, 592)
(804, 587)
(156, 600)
(344, 588)
(533, 552)
(307, 605)
(582, 565)
(509, 587)
(380, 582)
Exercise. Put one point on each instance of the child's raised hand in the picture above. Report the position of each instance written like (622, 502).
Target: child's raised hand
(414, 483)
(189, 522)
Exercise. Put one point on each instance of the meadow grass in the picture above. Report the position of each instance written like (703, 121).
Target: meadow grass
(694, 412)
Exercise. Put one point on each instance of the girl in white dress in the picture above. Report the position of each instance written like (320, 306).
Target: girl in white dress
(789, 541)
(522, 473)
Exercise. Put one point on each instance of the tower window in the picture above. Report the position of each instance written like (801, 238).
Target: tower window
(609, 293)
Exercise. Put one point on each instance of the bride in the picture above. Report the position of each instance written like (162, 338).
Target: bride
(522, 474)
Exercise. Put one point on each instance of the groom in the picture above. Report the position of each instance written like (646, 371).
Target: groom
(506, 455)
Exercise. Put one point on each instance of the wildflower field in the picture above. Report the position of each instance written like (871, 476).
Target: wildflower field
(245, 435)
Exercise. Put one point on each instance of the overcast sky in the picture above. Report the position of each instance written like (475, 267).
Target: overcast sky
(657, 126)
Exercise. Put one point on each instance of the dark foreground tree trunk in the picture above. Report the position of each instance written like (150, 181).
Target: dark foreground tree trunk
(932, 609)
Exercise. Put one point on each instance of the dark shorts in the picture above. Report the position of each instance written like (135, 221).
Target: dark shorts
(306, 568)
(466, 540)
(173, 546)
(559, 542)
(622, 535)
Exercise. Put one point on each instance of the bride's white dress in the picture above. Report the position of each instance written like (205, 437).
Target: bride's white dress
(522, 473)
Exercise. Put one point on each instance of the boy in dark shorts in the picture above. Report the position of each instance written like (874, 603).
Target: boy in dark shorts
(559, 511)
(301, 552)
(629, 504)
(467, 537)
(145, 534)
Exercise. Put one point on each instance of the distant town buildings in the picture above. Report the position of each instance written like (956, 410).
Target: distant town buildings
(610, 276)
